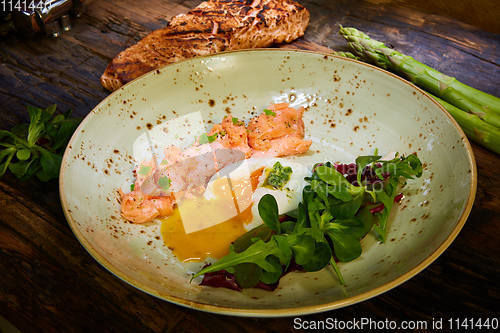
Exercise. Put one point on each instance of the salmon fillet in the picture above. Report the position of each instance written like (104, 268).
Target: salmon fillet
(213, 26)
(277, 132)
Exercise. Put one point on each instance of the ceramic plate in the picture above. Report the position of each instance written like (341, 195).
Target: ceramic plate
(351, 109)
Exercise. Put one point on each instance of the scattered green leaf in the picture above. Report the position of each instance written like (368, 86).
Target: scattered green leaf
(269, 112)
(164, 183)
(144, 170)
(204, 138)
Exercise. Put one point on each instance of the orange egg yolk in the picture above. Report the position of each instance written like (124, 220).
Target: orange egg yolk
(201, 227)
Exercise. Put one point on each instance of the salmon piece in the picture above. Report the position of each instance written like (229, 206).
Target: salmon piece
(279, 132)
(143, 172)
(285, 146)
(140, 208)
(232, 135)
(211, 27)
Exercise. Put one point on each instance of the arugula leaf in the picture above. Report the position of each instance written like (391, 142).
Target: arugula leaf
(256, 253)
(268, 211)
(248, 274)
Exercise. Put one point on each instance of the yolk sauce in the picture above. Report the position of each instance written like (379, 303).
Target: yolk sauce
(201, 228)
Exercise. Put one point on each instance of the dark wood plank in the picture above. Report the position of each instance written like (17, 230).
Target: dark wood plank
(481, 13)
(452, 47)
(49, 281)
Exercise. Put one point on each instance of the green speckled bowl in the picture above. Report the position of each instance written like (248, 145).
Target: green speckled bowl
(352, 108)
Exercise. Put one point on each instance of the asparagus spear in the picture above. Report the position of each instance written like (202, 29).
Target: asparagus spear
(485, 106)
(346, 55)
(476, 129)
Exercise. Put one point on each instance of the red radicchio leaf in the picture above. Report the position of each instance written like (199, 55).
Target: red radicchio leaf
(220, 279)
(377, 209)
(398, 198)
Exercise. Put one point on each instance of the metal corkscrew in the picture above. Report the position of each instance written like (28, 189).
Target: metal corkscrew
(51, 17)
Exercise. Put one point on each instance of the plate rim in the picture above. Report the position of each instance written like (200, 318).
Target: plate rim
(286, 312)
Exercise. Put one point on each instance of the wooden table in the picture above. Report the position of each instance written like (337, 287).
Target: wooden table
(50, 283)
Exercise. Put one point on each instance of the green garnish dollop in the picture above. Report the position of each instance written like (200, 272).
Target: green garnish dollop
(278, 176)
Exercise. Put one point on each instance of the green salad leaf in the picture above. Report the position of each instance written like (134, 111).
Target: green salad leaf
(327, 225)
(362, 162)
(36, 148)
(268, 210)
